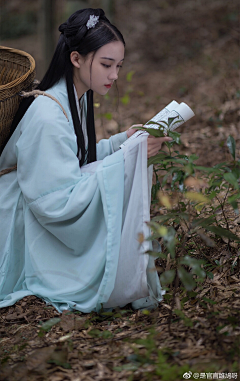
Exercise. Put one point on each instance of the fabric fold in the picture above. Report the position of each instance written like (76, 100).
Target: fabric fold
(68, 231)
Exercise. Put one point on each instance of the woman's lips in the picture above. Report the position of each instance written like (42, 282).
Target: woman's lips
(108, 86)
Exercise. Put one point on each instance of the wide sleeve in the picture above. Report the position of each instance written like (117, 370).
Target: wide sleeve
(64, 200)
(106, 147)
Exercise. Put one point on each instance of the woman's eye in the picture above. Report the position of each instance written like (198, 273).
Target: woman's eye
(119, 66)
(106, 65)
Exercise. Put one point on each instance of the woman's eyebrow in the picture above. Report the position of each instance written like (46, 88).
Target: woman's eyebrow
(111, 59)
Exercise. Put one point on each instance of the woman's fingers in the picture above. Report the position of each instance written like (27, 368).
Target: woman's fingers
(133, 129)
(155, 144)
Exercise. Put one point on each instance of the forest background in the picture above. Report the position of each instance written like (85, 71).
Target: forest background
(184, 50)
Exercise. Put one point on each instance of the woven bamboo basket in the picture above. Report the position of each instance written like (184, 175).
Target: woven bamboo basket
(17, 73)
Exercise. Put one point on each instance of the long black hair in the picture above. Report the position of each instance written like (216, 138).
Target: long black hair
(75, 36)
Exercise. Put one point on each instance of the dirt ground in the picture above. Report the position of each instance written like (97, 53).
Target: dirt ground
(187, 51)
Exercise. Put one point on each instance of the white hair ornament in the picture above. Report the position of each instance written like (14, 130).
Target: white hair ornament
(92, 21)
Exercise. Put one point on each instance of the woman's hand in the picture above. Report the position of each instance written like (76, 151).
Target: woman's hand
(131, 130)
(155, 144)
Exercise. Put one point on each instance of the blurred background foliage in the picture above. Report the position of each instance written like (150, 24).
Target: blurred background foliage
(41, 18)
(186, 50)
(162, 30)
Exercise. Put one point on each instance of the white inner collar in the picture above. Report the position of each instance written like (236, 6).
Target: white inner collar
(84, 125)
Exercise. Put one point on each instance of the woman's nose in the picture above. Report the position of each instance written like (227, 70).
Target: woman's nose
(113, 75)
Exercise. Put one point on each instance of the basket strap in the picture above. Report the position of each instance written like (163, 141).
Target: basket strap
(8, 170)
(34, 93)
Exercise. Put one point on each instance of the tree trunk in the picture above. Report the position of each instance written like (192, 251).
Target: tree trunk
(47, 26)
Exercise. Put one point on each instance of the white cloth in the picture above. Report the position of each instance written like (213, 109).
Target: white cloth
(82, 102)
(133, 271)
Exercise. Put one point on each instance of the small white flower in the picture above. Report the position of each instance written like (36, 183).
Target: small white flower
(92, 21)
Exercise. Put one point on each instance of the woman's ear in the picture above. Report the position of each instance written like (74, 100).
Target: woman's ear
(76, 59)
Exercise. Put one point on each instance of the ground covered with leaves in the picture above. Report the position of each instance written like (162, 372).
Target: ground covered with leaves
(37, 343)
(188, 51)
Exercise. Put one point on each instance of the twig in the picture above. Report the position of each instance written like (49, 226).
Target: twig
(222, 207)
(200, 252)
(176, 284)
(225, 218)
(123, 337)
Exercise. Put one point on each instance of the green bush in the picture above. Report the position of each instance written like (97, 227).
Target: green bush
(192, 197)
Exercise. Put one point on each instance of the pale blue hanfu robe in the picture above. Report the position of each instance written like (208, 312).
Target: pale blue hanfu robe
(69, 235)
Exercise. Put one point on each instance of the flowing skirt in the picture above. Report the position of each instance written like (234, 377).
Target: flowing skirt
(136, 279)
(69, 247)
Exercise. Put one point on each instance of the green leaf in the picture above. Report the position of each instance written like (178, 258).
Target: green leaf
(162, 231)
(126, 367)
(234, 205)
(203, 221)
(212, 195)
(178, 176)
(156, 159)
(49, 324)
(179, 161)
(170, 120)
(151, 131)
(220, 165)
(186, 278)
(170, 144)
(64, 365)
(167, 277)
(175, 136)
(190, 261)
(97, 333)
(196, 197)
(196, 269)
(154, 226)
(164, 218)
(156, 254)
(195, 264)
(188, 169)
(164, 180)
(169, 241)
(193, 157)
(231, 179)
(209, 241)
(210, 275)
(155, 132)
(207, 169)
(231, 146)
(222, 232)
(168, 216)
(125, 99)
(192, 294)
(130, 75)
(187, 321)
(236, 172)
(232, 200)
(210, 301)
(108, 115)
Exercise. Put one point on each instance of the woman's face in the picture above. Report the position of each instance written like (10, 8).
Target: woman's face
(99, 72)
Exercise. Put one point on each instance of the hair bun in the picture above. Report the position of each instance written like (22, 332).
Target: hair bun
(62, 27)
(101, 12)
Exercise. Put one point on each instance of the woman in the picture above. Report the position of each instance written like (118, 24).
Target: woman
(72, 211)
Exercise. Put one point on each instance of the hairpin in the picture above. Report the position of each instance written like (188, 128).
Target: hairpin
(92, 21)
